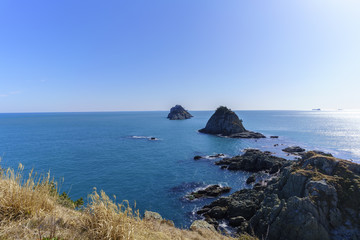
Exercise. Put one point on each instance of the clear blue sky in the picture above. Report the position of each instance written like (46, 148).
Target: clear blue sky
(149, 55)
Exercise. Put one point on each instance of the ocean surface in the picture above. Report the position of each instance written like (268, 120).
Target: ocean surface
(112, 151)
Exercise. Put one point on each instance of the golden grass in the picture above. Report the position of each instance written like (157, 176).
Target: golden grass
(29, 209)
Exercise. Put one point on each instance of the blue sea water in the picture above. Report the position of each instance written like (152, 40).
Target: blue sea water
(112, 151)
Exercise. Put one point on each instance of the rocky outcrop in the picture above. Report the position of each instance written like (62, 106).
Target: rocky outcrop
(316, 197)
(294, 149)
(247, 134)
(254, 160)
(210, 191)
(218, 155)
(251, 179)
(201, 224)
(148, 215)
(178, 113)
(225, 122)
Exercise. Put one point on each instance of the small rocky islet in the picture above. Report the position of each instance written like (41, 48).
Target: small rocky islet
(178, 113)
(226, 123)
(208, 192)
(315, 197)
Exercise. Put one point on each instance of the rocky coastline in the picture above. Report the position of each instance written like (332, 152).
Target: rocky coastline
(314, 197)
(226, 123)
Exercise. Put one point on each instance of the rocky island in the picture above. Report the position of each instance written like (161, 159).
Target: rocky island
(225, 122)
(315, 197)
(178, 113)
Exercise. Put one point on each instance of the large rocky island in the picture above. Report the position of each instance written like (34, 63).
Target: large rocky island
(315, 197)
(178, 113)
(225, 122)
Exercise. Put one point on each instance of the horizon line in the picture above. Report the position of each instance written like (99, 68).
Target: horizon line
(109, 111)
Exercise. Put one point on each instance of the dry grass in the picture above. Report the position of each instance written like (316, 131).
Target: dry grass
(31, 209)
(21, 198)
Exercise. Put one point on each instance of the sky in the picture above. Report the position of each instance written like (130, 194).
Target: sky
(141, 55)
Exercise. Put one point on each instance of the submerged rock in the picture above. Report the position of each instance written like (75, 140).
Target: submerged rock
(316, 197)
(210, 191)
(179, 113)
(225, 122)
(218, 155)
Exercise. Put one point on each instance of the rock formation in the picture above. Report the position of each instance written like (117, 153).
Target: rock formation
(254, 160)
(210, 191)
(316, 197)
(225, 122)
(218, 155)
(178, 113)
(148, 215)
(294, 149)
(201, 224)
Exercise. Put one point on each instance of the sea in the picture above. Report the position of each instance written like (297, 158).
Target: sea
(113, 151)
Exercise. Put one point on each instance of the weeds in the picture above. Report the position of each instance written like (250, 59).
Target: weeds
(32, 208)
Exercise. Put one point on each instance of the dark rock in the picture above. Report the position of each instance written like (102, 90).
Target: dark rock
(294, 186)
(254, 160)
(203, 210)
(247, 134)
(217, 212)
(219, 155)
(274, 136)
(323, 153)
(223, 167)
(225, 122)
(242, 203)
(259, 187)
(236, 221)
(315, 197)
(212, 221)
(152, 138)
(251, 179)
(179, 113)
(242, 228)
(294, 149)
(210, 191)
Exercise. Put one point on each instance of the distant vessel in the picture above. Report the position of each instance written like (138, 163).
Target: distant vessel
(316, 109)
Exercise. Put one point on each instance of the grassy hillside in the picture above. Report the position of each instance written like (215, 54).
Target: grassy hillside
(33, 209)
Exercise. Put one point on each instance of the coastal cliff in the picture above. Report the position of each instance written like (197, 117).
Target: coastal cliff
(178, 113)
(316, 197)
(225, 122)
